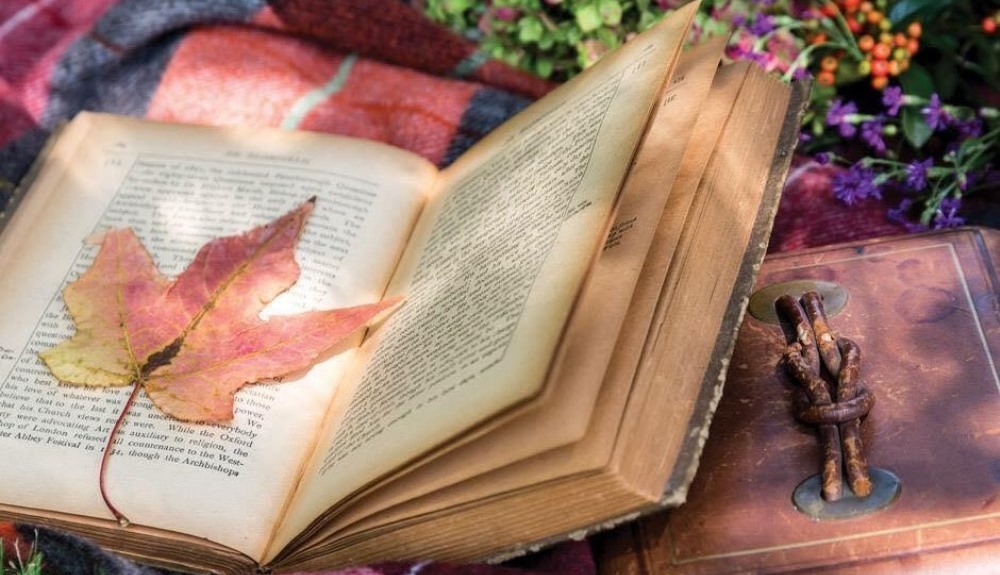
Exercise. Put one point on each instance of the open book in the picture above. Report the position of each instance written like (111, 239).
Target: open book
(573, 285)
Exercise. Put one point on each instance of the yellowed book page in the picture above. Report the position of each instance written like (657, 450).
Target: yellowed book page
(594, 450)
(178, 187)
(493, 271)
(565, 415)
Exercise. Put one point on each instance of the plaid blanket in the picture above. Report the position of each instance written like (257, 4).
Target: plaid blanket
(368, 68)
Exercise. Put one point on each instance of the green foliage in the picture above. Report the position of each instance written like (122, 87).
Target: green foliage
(916, 81)
(30, 565)
(550, 38)
(907, 10)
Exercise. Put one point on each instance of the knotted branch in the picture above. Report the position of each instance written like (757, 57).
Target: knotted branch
(835, 404)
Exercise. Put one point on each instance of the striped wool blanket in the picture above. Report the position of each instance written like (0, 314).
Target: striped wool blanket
(369, 68)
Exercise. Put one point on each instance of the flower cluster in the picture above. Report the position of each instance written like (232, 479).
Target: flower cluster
(905, 95)
(873, 49)
(937, 182)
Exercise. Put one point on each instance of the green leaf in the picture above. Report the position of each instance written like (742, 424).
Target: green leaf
(987, 57)
(907, 9)
(916, 80)
(611, 12)
(588, 17)
(573, 36)
(547, 41)
(944, 43)
(946, 78)
(457, 6)
(915, 127)
(608, 38)
(529, 29)
(543, 67)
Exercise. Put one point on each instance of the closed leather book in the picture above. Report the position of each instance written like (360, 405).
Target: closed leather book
(925, 312)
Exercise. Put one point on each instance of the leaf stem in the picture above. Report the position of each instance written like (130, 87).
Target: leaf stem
(122, 520)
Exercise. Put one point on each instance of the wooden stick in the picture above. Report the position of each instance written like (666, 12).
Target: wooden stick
(829, 435)
(790, 313)
(848, 381)
(826, 340)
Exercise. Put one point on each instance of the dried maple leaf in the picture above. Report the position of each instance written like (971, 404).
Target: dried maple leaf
(194, 341)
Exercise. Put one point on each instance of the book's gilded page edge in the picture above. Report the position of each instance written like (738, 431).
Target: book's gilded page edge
(675, 490)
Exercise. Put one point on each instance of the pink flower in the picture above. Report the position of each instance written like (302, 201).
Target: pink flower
(506, 13)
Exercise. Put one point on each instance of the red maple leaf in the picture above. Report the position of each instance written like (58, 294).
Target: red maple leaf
(193, 341)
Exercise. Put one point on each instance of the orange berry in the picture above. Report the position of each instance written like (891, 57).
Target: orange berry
(874, 17)
(880, 82)
(819, 38)
(866, 43)
(912, 46)
(825, 78)
(900, 40)
(914, 30)
(989, 25)
(851, 5)
(881, 51)
(829, 10)
(828, 63)
(885, 38)
(894, 68)
(880, 68)
(866, 7)
(853, 25)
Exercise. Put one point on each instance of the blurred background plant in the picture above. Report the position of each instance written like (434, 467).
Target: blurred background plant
(905, 95)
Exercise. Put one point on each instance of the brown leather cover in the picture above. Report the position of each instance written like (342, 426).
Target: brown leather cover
(925, 311)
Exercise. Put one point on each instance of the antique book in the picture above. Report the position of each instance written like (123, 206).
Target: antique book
(923, 310)
(572, 287)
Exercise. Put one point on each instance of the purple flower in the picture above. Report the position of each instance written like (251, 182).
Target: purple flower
(892, 99)
(838, 116)
(871, 133)
(916, 174)
(761, 25)
(856, 184)
(937, 117)
(946, 215)
(970, 128)
(901, 215)
(823, 158)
